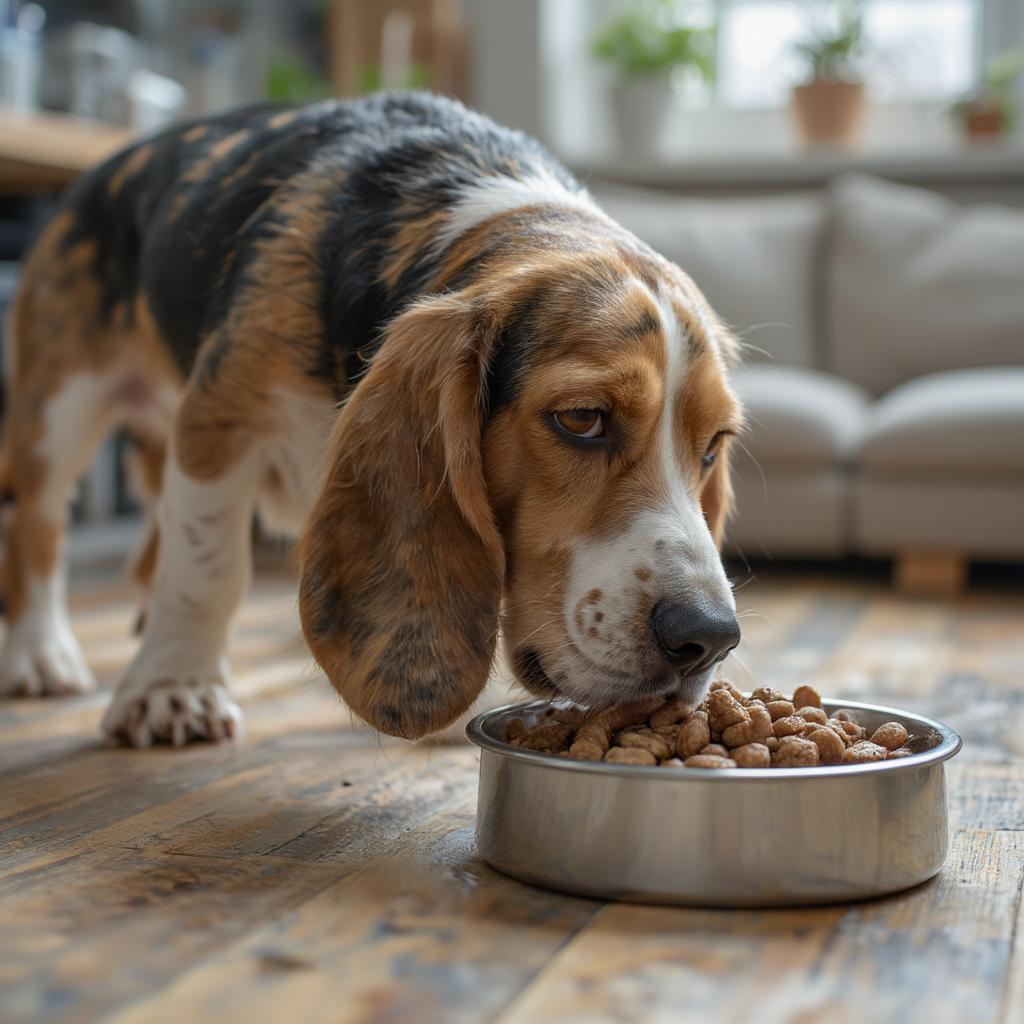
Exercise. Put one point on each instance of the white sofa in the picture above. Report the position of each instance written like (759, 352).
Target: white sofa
(884, 373)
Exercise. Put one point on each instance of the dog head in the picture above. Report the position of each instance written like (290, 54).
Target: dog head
(546, 448)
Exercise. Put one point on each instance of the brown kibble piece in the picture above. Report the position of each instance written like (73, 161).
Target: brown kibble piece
(780, 709)
(654, 744)
(724, 684)
(902, 752)
(845, 715)
(724, 710)
(549, 737)
(715, 750)
(863, 752)
(837, 728)
(587, 750)
(572, 716)
(756, 728)
(794, 725)
(694, 735)
(806, 697)
(772, 743)
(795, 752)
(630, 755)
(752, 755)
(669, 714)
(670, 732)
(812, 714)
(515, 730)
(766, 694)
(672, 762)
(709, 761)
(831, 747)
(891, 735)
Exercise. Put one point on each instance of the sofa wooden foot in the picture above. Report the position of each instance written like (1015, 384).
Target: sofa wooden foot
(930, 572)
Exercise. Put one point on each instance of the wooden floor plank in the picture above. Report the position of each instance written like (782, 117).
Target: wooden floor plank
(936, 954)
(424, 933)
(314, 871)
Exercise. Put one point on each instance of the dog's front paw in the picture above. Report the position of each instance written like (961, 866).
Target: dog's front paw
(177, 710)
(42, 659)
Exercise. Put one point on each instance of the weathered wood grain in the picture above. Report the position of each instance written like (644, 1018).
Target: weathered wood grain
(937, 954)
(315, 872)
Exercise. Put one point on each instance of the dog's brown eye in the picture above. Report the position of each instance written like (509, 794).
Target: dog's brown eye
(708, 458)
(581, 422)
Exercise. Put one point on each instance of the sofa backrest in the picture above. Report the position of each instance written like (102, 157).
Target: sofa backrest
(917, 284)
(754, 258)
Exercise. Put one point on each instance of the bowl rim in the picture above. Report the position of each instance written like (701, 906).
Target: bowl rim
(949, 744)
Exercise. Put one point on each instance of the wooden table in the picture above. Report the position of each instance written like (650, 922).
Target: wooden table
(43, 152)
(315, 873)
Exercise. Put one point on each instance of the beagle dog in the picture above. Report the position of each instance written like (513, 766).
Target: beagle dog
(407, 336)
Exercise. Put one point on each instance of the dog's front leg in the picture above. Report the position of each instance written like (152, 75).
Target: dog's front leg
(175, 690)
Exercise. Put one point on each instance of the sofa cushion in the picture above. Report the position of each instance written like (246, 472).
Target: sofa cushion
(754, 259)
(963, 422)
(917, 284)
(798, 417)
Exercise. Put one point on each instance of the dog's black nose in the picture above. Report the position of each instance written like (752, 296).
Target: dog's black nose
(695, 635)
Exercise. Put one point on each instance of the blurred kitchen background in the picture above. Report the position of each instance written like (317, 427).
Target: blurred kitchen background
(844, 179)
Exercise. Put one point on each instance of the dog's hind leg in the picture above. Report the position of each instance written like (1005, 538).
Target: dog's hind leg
(49, 441)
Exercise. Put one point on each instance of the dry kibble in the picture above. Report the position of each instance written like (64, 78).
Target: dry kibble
(752, 755)
(724, 684)
(837, 728)
(830, 747)
(891, 735)
(725, 710)
(765, 730)
(670, 714)
(630, 755)
(715, 750)
(756, 728)
(709, 761)
(812, 714)
(806, 697)
(515, 730)
(587, 750)
(654, 744)
(549, 738)
(780, 709)
(795, 752)
(794, 725)
(574, 717)
(864, 751)
(694, 735)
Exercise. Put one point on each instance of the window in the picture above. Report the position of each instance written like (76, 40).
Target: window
(916, 51)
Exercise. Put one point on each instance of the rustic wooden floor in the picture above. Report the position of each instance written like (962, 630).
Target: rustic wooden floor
(314, 873)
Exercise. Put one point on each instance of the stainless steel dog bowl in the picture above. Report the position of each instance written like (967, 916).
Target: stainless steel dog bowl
(704, 837)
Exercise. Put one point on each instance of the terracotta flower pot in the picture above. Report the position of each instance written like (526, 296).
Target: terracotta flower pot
(984, 121)
(829, 111)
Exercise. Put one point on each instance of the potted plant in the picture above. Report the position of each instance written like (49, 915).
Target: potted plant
(647, 43)
(829, 105)
(989, 112)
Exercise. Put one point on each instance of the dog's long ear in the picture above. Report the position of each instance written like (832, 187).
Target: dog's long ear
(717, 497)
(402, 562)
